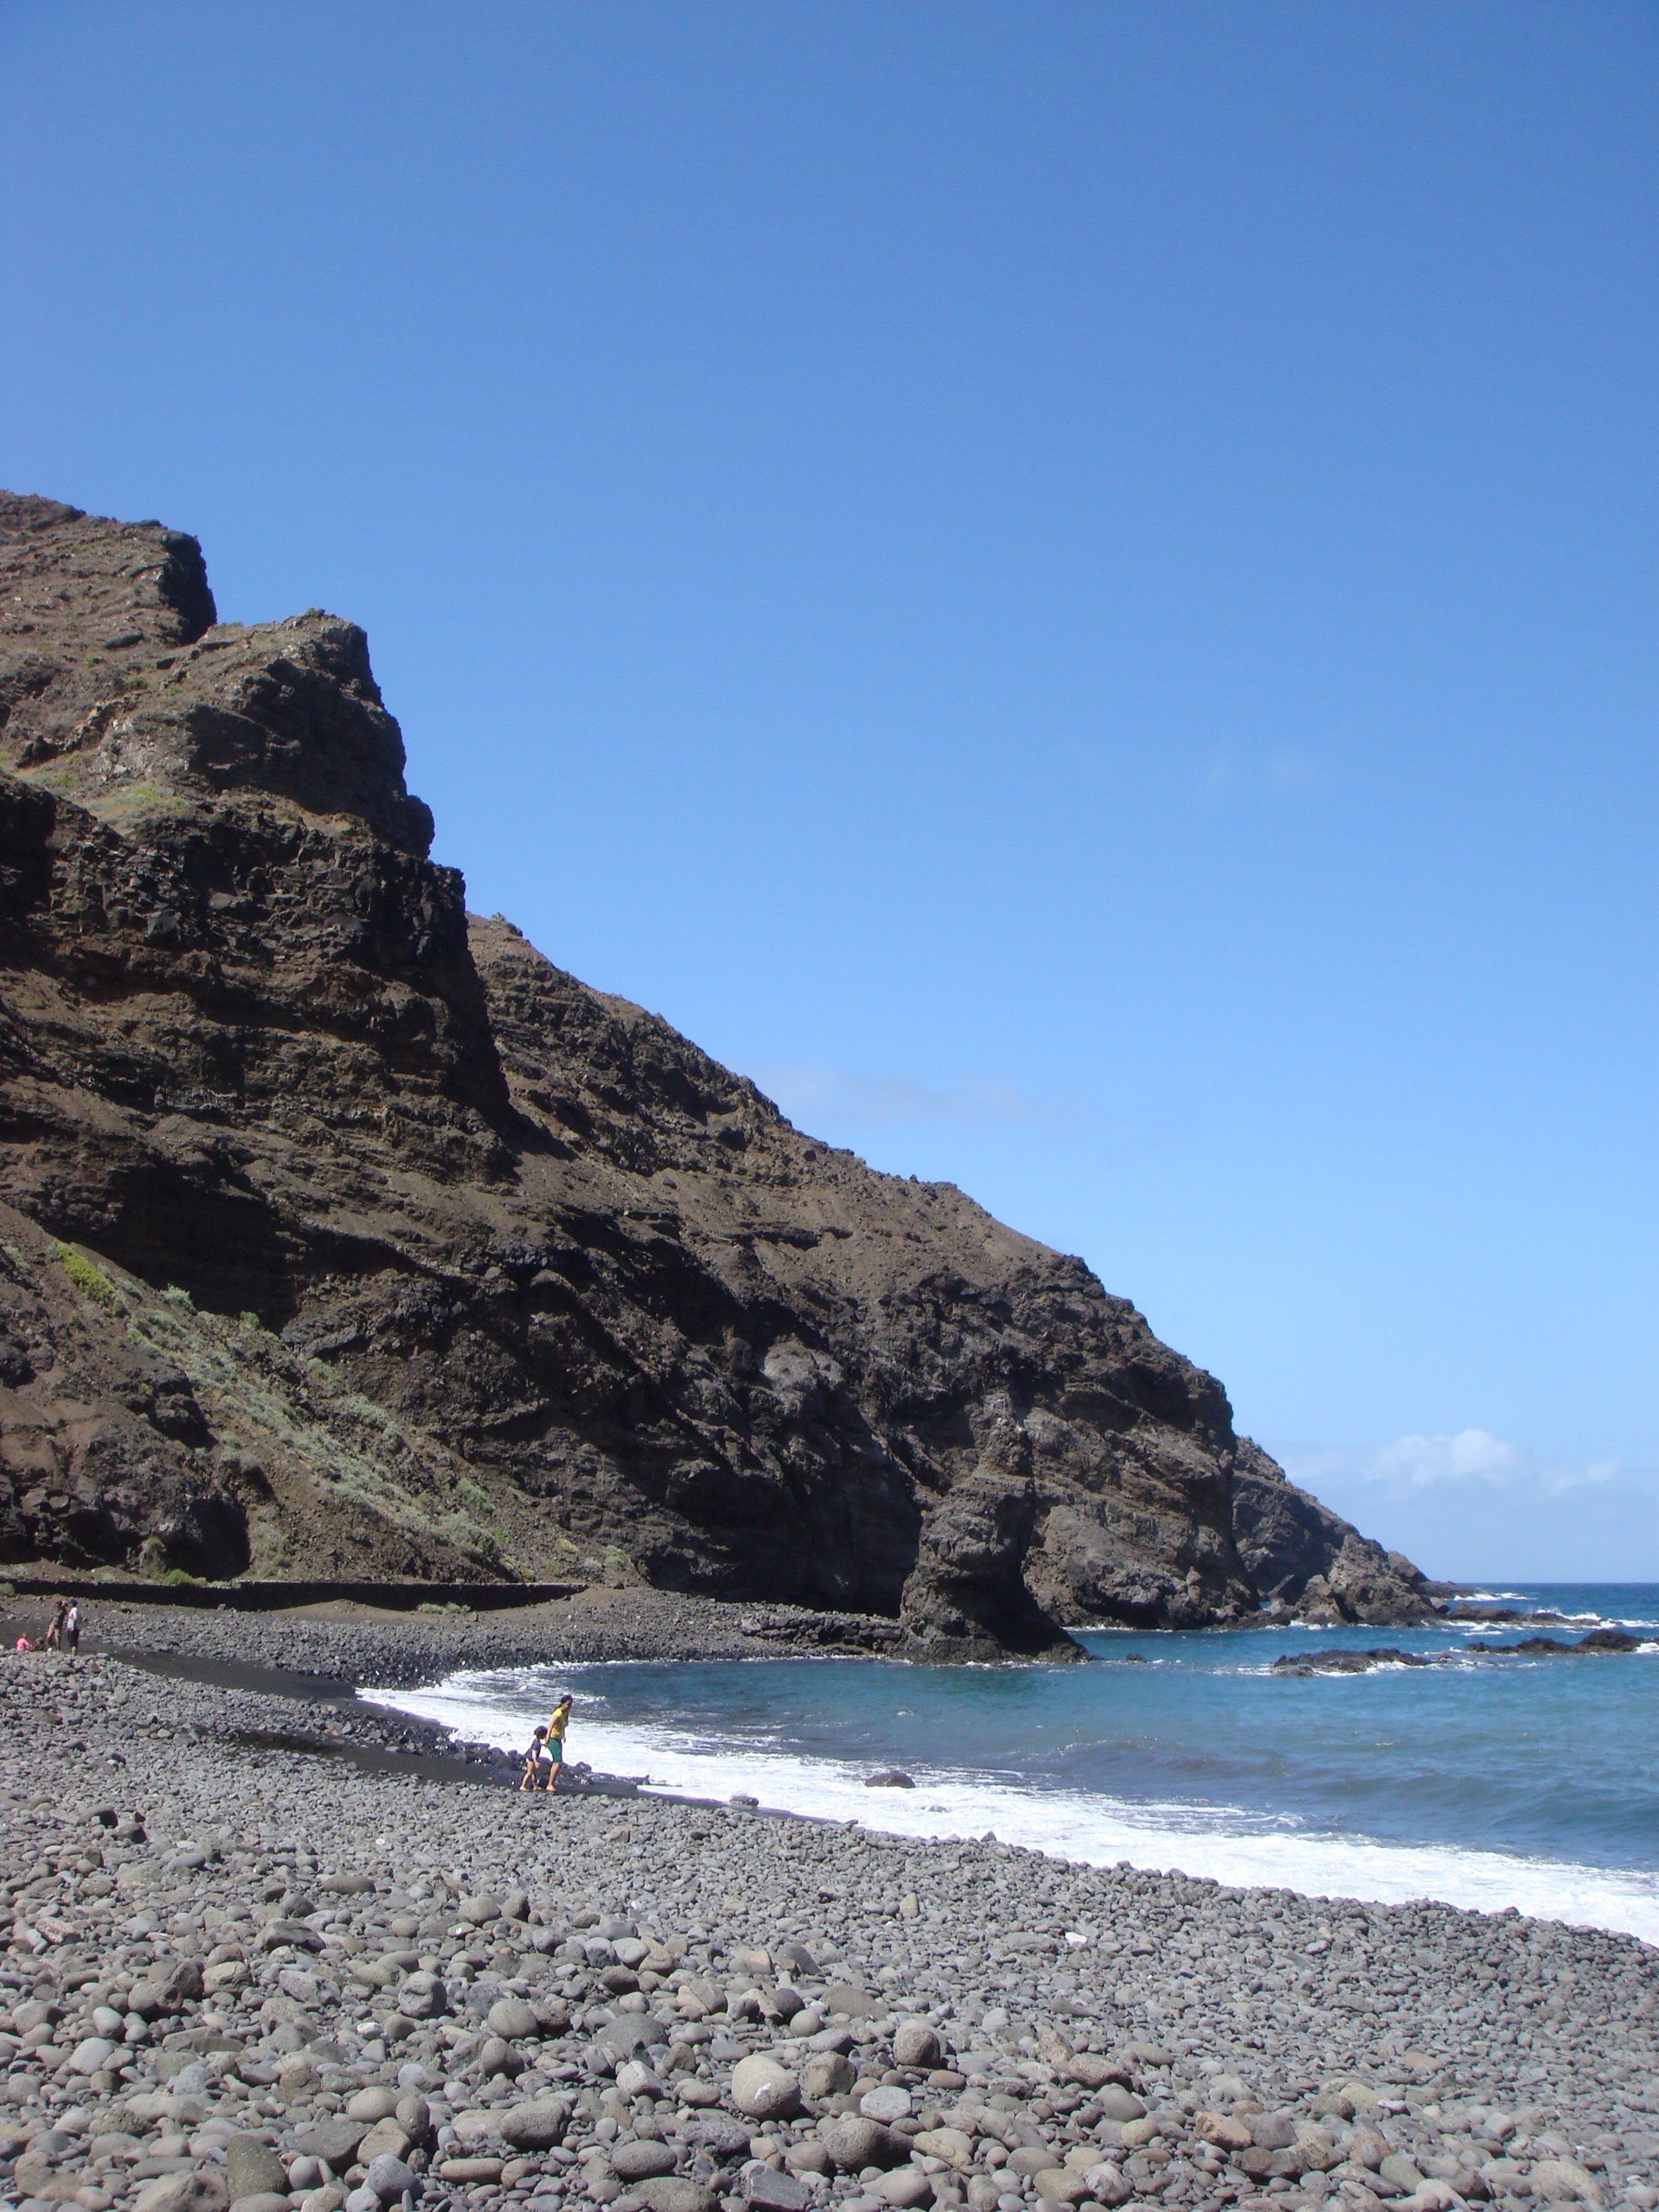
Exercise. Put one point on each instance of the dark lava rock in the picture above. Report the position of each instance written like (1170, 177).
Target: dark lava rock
(335, 2140)
(1539, 1647)
(720, 2137)
(1308, 1559)
(774, 2191)
(891, 1777)
(307, 1173)
(1351, 1662)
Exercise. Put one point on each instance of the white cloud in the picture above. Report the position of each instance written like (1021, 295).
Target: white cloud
(1422, 1463)
(1471, 1506)
(1231, 774)
(863, 1099)
(1419, 1460)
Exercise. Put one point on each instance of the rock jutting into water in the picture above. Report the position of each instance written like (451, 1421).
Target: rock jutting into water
(1361, 1662)
(269, 1979)
(1354, 1662)
(343, 1235)
(1598, 1639)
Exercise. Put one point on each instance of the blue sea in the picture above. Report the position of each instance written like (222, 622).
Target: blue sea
(1488, 1782)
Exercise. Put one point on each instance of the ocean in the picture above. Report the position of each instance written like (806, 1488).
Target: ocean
(1490, 1782)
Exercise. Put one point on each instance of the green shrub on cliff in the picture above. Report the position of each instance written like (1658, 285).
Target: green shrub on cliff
(91, 1282)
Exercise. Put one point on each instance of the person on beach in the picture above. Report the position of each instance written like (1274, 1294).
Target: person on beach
(55, 1633)
(558, 1720)
(535, 1761)
(72, 1626)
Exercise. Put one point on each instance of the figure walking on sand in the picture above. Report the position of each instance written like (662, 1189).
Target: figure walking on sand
(558, 1721)
(55, 1633)
(71, 1628)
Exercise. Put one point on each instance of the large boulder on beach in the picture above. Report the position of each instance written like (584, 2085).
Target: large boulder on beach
(826, 2074)
(905, 2188)
(1090, 2070)
(478, 2124)
(887, 2103)
(954, 2145)
(642, 2159)
(721, 2136)
(169, 1988)
(675, 2193)
(202, 2190)
(1116, 2103)
(413, 2115)
(385, 2139)
(334, 2141)
(536, 2126)
(1106, 2182)
(764, 2088)
(390, 2178)
(252, 2168)
(916, 2042)
(512, 2018)
(770, 2189)
(1564, 2180)
(855, 2143)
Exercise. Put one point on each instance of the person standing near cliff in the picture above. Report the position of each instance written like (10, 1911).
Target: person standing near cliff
(558, 1720)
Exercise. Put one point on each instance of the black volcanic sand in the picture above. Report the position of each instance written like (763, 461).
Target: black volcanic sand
(245, 1923)
(347, 1643)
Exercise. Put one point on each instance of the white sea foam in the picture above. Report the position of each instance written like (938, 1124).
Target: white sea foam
(1224, 1842)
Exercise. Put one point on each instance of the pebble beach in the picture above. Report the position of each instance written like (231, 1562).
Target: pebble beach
(264, 1947)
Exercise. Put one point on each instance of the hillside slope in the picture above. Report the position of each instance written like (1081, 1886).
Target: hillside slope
(347, 1234)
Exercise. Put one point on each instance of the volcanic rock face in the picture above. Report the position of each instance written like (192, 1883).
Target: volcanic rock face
(1302, 1556)
(344, 1233)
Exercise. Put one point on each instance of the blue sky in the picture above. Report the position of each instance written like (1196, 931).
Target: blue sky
(1070, 587)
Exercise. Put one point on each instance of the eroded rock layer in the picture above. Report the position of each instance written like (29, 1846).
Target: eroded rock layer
(345, 1232)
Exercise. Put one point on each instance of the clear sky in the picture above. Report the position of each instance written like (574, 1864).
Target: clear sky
(1070, 586)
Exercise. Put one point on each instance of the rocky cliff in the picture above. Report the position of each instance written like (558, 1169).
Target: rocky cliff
(1306, 1560)
(344, 1233)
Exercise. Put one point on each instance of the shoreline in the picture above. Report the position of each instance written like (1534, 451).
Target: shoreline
(359, 1673)
(222, 1951)
(1230, 1843)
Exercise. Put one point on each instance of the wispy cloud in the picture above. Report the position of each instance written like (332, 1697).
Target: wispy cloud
(1281, 769)
(1470, 1505)
(868, 1099)
(1470, 1457)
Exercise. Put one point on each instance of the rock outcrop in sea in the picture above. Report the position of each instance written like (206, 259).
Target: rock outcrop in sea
(342, 1233)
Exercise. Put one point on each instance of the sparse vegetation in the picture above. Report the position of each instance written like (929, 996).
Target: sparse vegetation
(91, 1282)
(124, 802)
(365, 1409)
(244, 1371)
